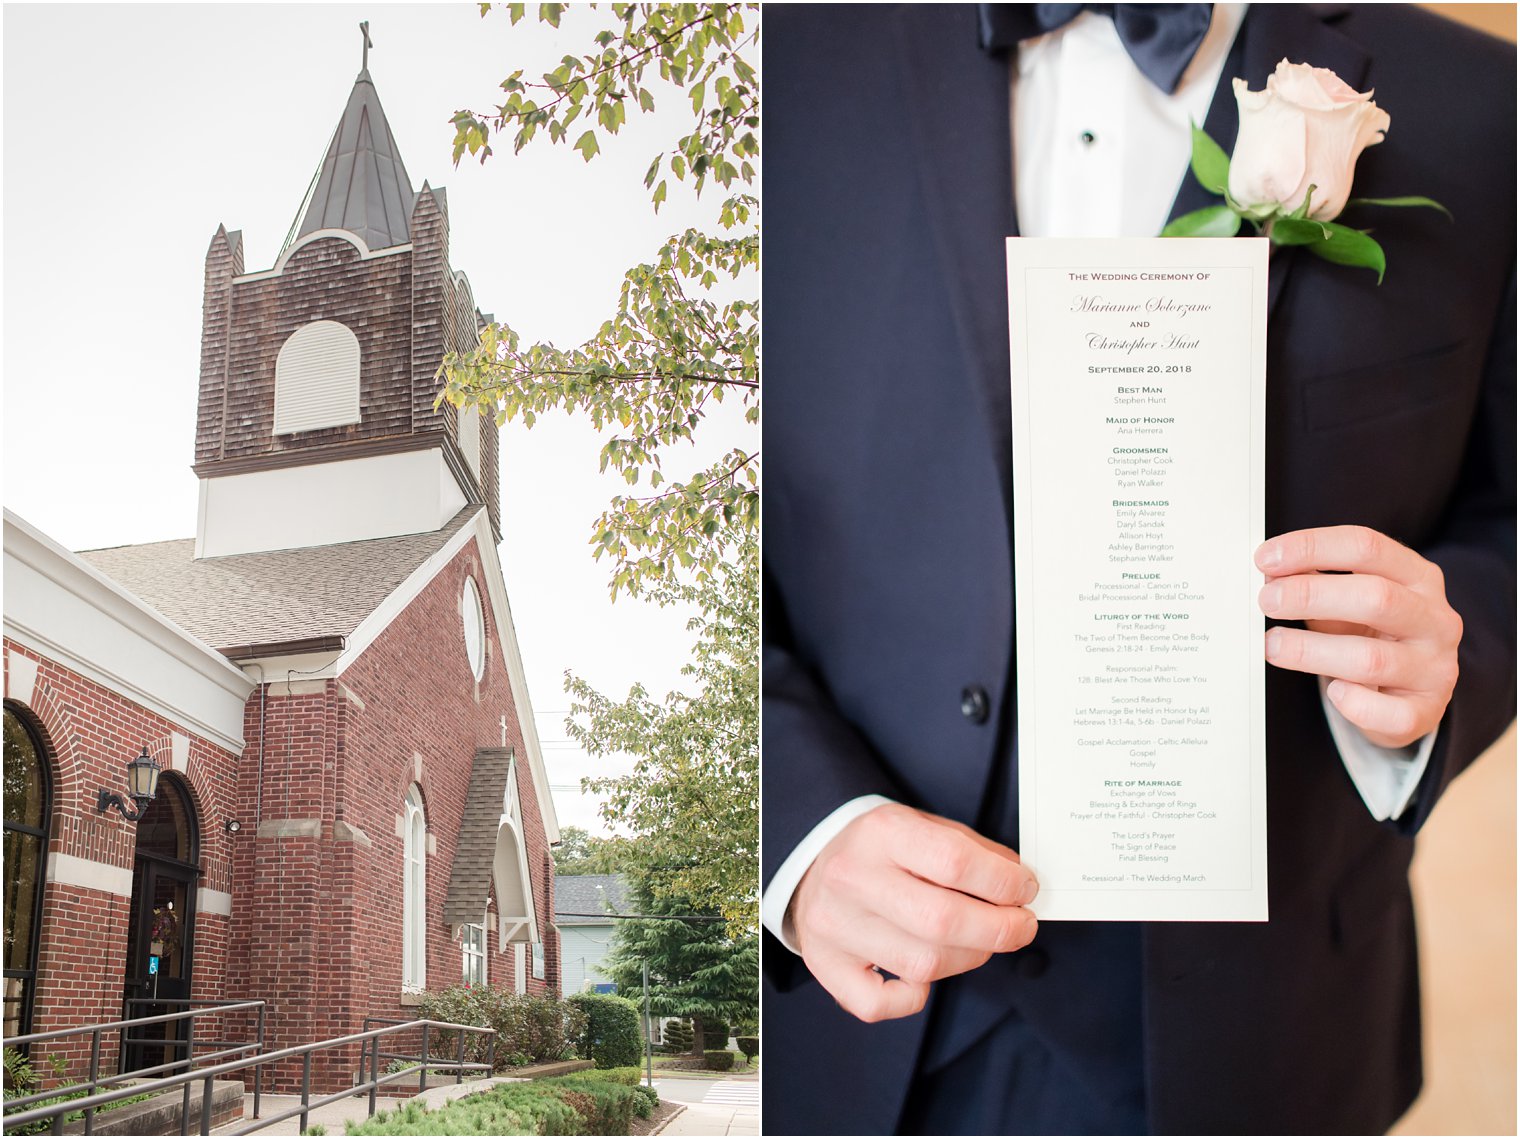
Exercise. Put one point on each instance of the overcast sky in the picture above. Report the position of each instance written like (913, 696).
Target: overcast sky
(132, 131)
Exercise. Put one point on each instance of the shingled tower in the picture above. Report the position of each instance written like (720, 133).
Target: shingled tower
(319, 373)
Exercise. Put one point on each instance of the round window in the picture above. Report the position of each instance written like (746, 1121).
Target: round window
(474, 628)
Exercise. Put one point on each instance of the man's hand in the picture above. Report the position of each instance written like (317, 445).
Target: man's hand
(1381, 628)
(917, 895)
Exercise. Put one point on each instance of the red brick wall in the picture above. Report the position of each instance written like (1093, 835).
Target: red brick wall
(90, 733)
(425, 702)
(319, 916)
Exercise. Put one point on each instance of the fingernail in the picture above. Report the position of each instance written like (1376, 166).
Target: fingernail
(1274, 640)
(1028, 893)
(1271, 597)
(1269, 556)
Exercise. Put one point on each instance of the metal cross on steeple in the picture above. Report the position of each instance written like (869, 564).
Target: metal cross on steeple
(364, 27)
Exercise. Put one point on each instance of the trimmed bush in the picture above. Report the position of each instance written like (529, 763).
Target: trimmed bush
(749, 1045)
(678, 1036)
(630, 1076)
(715, 1035)
(611, 1036)
(719, 1061)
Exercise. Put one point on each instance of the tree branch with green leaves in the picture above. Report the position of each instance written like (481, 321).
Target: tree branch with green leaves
(698, 47)
(693, 796)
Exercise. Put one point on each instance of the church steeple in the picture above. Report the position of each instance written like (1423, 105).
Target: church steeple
(362, 185)
(317, 420)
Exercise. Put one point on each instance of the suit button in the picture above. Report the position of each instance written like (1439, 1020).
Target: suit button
(974, 704)
(1033, 962)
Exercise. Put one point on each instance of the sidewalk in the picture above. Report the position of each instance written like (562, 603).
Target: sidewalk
(730, 1107)
(715, 1119)
(334, 1117)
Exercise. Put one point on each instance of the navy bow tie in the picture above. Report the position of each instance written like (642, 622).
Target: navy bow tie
(1161, 38)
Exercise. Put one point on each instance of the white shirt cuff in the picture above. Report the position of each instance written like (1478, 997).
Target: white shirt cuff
(1385, 777)
(778, 896)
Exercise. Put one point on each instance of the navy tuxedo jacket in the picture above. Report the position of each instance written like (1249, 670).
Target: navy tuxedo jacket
(889, 550)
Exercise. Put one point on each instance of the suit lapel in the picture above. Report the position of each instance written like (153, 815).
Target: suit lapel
(1272, 32)
(958, 106)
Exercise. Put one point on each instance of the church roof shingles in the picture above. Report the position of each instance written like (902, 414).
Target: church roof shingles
(241, 602)
(470, 876)
(576, 895)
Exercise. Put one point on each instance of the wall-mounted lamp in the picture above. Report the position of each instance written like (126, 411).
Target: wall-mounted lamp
(232, 826)
(142, 785)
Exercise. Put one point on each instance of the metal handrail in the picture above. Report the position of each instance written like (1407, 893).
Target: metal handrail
(420, 1064)
(209, 1008)
(56, 1112)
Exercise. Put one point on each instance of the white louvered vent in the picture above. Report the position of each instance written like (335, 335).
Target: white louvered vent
(469, 437)
(316, 378)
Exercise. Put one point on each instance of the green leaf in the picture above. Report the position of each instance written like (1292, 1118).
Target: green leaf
(1299, 231)
(1348, 246)
(1211, 165)
(1303, 209)
(1211, 221)
(1406, 200)
(587, 145)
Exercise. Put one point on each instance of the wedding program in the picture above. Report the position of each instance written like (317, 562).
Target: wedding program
(1139, 372)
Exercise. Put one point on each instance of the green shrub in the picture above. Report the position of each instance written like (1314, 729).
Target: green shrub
(611, 1036)
(578, 1104)
(715, 1035)
(608, 1108)
(678, 1037)
(22, 1080)
(528, 1029)
(630, 1076)
(749, 1045)
(719, 1061)
(649, 1099)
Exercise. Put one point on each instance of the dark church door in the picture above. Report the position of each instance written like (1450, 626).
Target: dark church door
(161, 929)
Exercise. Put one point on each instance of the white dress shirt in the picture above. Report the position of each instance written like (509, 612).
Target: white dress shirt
(1100, 151)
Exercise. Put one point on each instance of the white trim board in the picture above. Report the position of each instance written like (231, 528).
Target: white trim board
(64, 609)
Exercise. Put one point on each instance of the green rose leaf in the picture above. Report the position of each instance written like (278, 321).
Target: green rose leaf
(1348, 246)
(1211, 221)
(1211, 165)
(1299, 231)
(1406, 200)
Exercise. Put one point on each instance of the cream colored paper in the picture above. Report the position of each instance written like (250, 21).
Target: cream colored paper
(1139, 372)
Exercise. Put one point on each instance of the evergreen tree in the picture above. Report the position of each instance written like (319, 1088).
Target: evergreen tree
(696, 969)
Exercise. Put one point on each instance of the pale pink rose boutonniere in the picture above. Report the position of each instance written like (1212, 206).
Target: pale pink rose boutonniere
(1291, 171)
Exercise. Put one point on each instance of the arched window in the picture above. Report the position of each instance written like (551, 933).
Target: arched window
(316, 378)
(474, 620)
(27, 810)
(414, 900)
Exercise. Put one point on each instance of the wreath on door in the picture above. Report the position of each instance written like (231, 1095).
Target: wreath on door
(165, 934)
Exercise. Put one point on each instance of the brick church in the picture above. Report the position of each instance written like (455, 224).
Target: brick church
(352, 806)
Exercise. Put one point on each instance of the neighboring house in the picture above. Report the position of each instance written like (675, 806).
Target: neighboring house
(583, 905)
(353, 805)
